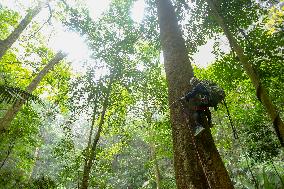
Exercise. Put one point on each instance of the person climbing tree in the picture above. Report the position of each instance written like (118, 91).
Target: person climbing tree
(197, 163)
(204, 94)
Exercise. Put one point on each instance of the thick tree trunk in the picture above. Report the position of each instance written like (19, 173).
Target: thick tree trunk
(188, 170)
(261, 91)
(12, 112)
(12, 38)
(91, 153)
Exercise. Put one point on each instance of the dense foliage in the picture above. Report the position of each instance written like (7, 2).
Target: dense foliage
(114, 112)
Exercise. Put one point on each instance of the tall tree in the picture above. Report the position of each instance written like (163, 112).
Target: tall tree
(13, 110)
(12, 38)
(261, 91)
(153, 156)
(92, 146)
(189, 171)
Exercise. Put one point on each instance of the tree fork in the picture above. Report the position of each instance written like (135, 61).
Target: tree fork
(261, 91)
(188, 170)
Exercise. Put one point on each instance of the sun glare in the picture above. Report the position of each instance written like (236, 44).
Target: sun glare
(97, 7)
(137, 11)
(74, 44)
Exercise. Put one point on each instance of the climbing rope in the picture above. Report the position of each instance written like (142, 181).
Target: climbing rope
(235, 134)
(198, 152)
(201, 160)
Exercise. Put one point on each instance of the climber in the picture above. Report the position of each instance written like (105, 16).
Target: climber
(204, 94)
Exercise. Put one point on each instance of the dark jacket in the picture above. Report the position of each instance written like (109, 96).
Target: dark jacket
(199, 89)
(194, 97)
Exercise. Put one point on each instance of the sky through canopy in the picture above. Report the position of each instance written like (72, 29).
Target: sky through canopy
(74, 44)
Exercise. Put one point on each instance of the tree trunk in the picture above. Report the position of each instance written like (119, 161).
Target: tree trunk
(261, 91)
(148, 116)
(12, 38)
(37, 154)
(91, 133)
(10, 148)
(188, 170)
(156, 166)
(87, 168)
(12, 112)
(91, 153)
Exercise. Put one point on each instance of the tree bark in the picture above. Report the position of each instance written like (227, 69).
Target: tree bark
(12, 111)
(12, 38)
(188, 170)
(261, 91)
(91, 153)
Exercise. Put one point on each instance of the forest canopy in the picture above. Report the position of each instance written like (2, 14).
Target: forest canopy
(90, 94)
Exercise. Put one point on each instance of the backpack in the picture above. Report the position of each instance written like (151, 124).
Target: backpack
(216, 93)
